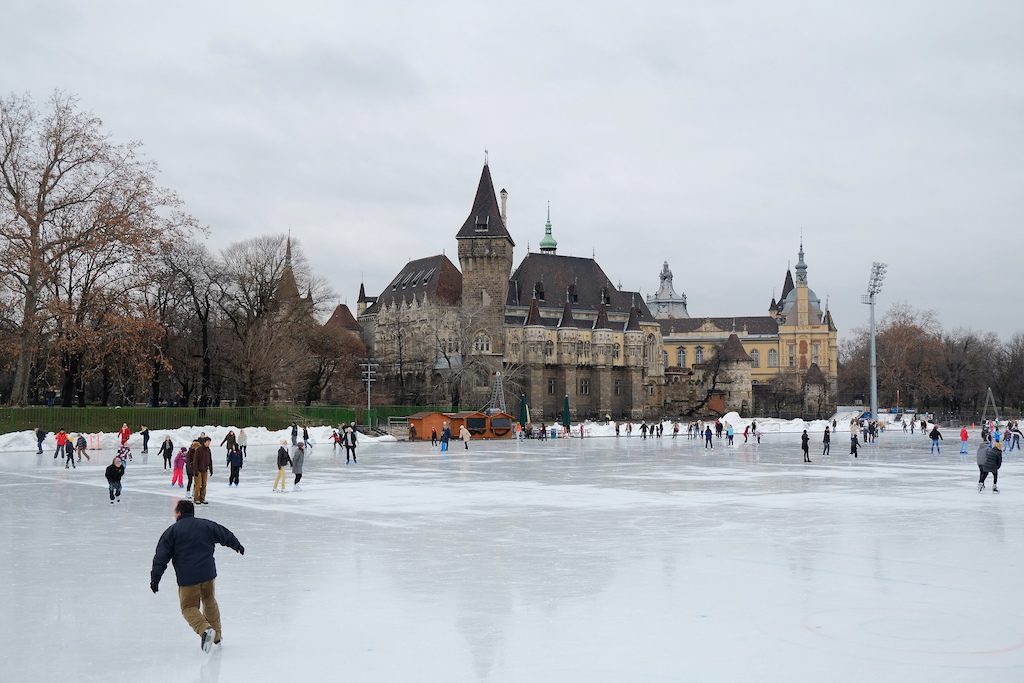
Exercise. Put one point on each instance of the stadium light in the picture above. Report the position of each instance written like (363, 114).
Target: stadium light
(874, 288)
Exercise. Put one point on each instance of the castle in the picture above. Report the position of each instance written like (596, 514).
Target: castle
(557, 327)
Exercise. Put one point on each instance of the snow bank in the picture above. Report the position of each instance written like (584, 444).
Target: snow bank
(183, 436)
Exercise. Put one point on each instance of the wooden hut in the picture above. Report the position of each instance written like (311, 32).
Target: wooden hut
(420, 425)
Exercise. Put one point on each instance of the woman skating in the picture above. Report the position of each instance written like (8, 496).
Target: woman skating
(805, 446)
(243, 442)
(297, 460)
(990, 458)
(167, 451)
(826, 441)
(235, 464)
(282, 460)
(177, 475)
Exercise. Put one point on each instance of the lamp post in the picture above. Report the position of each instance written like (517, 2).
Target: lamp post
(874, 287)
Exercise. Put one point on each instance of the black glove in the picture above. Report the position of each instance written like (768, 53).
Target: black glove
(241, 550)
(153, 587)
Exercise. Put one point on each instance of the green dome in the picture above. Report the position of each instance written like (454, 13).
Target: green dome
(548, 243)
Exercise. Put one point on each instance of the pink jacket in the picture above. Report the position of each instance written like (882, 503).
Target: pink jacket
(179, 461)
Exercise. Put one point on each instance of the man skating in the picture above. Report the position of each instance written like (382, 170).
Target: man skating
(113, 473)
(990, 458)
(936, 437)
(202, 466)
(350, 442)
(805, 441)
(189, 544)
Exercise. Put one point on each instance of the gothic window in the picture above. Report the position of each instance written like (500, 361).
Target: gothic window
(755, 359)
(698, 355)
(586, 348)
(584, 387)
(551, 386)
(791, 348)
(515, 348)
(618, 387)
(549, 348)
(482, 343)
(773, 358)
(681, 356)
(664, 358)
(815, 353)
(616, 351)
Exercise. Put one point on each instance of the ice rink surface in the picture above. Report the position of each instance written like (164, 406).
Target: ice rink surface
(575, 560)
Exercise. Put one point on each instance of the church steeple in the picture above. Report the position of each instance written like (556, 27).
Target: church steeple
(548, 245)
(801, 267)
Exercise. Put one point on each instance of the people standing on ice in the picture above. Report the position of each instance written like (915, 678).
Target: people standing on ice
(125, 451)
(675, 429)
(283, 459)
(202, 470)
(936, 437)
(833, 424)
(351, 441)
(229, 440)
(924, 426)
(40, 437)
(629, 429)
(190, 458)
(718, 429)
(295, 433)
(305, 437)
(69, 453)
(446, 435)
(805, 446)
(234, 462)
(179, 469)
(80, 445)
(990, 459)
(113, 473)
(913, 423)
(708, 439)
(243, 443)
(904, 425)
(336, 440)
(433, 436)
(189, 544)
(124, 433)
(144, 431)
(464, 435)
(297, 459)
(167, 451)
(746, 433)
(643, 430)
(1014, 437)
(62, 438)
(730, 435)
(963, 439)
(826, 441)
(853, 443)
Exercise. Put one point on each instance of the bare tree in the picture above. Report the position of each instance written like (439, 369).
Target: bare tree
(66, 188)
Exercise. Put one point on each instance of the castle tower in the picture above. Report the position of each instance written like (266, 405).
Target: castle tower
(666, 303)
(485, 255)
(548, 245)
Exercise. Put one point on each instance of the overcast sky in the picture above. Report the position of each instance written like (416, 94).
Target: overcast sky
(705, 133)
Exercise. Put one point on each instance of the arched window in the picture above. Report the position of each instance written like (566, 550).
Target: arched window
(698, 355)
(773, 358)
(664, 358)
(482, 343)
(616, 351)
(755, 358)
(549, 348)
(681, 356)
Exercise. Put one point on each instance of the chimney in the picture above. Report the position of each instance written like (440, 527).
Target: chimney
(504, 205)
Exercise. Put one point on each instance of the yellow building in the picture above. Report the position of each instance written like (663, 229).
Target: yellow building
(797, 333)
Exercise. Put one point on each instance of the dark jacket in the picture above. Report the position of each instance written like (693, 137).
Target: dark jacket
(81, 443)
(283, 457)
(230, 440)
(114, 473)
(934, 434)
(804, 441)
(40, 435)
(188, 544)
(167, 449)
(202, 461)
(235, 458)
(989, 459)
(350, 439)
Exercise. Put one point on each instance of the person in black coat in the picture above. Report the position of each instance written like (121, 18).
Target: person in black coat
(113, 473)
(805, 441)
(283, 460)
(145, 438)
(826, 441)
(990, 459)
(235, 463)
(40, 437)
(167, 450)
(189, 544)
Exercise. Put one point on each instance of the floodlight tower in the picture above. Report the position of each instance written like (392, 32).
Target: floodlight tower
(874, 287)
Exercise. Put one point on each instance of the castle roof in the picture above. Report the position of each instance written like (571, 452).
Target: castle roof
(633, 324)
(814, 375)
(754, 324)
(733, 350)
(566, 319)
(533, 316)
(362, 295)
(787, 286)
(484, 218)
(342, 319)
(601, 323)
(828, 321)
(557, 273)
(435, 277)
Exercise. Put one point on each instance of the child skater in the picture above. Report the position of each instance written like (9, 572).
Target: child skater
(114, 472)
(179, 468)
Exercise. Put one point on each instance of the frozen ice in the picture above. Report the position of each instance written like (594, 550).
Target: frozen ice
(595, 559)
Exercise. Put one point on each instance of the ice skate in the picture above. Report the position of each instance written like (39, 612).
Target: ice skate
(995, 489)
(981, 486)
(206, 640)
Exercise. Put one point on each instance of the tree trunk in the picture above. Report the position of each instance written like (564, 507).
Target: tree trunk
(72, 365)
(154, 384)
(105, 385)
(26, 339)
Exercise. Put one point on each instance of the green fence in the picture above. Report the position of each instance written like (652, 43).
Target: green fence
(103, 419)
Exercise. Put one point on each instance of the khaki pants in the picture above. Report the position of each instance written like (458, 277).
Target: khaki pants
(199, 607)
(281, 478)
(200, 493)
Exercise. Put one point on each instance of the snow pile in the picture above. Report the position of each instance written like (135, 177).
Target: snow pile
(183, 436)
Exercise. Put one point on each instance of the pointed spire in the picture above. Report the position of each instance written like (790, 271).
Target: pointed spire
(602, 318)
(733, 350)
(533, 315)
(566, 319)
(548, 245)
(484, 218)
(633, 324)
(362, 293)
(801, 267)
(288, 250)
(787, 286)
